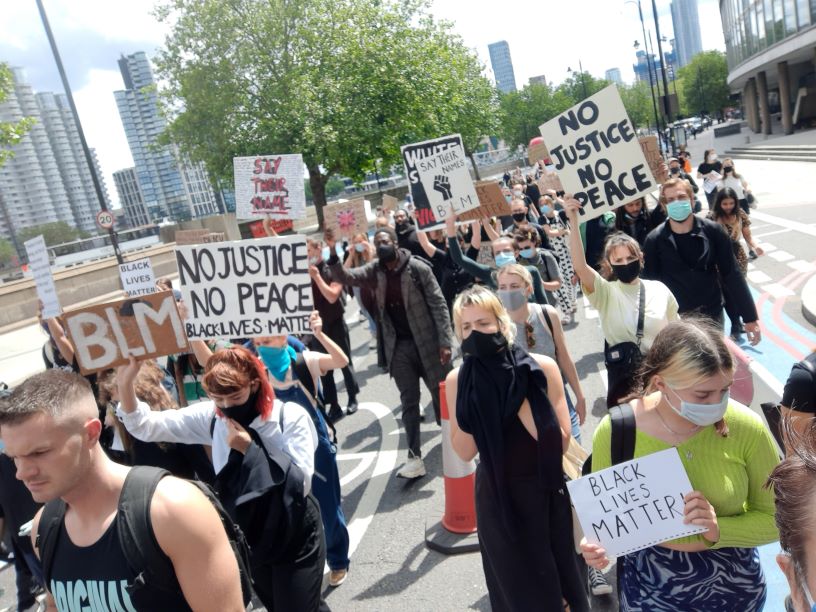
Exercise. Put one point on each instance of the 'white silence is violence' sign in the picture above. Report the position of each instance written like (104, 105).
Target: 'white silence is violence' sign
(246, 288)
(635, 504)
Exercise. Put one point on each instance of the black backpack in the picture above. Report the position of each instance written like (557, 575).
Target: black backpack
(302, 374)
(145, 558)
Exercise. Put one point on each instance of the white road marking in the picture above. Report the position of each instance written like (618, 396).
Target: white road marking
(781, 256)
(758, 277)
(767, 247)
(794, 225)
(777, 290)
(782, 231)
(802, 266)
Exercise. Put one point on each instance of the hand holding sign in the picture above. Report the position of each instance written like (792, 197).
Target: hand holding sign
(316, 323)
(698, 511)
(572, 207)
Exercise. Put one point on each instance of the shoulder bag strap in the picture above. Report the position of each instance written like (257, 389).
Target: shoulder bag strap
(622, 447)
(641, 311)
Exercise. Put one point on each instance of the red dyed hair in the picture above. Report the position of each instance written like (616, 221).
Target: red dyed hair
(230, 370)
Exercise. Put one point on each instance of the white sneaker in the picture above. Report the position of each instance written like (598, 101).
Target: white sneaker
(413, 468)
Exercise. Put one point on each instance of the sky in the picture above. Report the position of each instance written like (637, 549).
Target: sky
(546, 37)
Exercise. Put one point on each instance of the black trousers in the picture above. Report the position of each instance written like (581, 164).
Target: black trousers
(406, 368)
(295, 585)
(338, 331)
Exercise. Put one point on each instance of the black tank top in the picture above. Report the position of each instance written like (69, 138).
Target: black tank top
(98, 577)
(520, 450)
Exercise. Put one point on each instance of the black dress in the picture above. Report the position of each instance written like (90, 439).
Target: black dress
(521, 572)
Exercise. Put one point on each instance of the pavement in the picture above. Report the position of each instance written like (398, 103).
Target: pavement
(391, 567)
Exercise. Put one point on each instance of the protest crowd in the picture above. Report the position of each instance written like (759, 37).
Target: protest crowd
(205, 476)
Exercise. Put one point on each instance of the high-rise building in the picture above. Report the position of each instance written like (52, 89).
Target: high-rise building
(646, 63)
(538, 80)
(171, 186)
(48, 178)
(130, 196)
(613, 75)
(686, 24)
(502, 66)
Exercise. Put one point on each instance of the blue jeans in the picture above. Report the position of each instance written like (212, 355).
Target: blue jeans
(576, 422)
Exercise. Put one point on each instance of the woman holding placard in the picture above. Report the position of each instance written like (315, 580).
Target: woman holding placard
(727, 453)
(510, 409)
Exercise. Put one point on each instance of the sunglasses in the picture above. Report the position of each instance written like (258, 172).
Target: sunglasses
(530, 332)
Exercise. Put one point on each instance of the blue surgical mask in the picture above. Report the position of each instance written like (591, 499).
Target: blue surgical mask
(527, 253)
(502, 259)
(509, 198)
(679, 211)
(359, 247)
(277, 359)
(545, 209)
(326, 253)
(701, 414)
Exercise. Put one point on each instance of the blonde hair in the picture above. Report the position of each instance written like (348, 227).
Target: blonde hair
(676, 182)
(684, 353)
(734, 172)
(486, 300)
(518, 270)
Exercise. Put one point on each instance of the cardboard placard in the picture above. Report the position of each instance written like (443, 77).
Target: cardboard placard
(105, 335)
(411, 155)
(594, 148)
(269, 185)
(256, 228)
(536, 152)
(491, 202)
(549, 180)
(635, 504)
(137, 277)
(198, 236)
(651, 151)
(43, 279)
(346, 218)
(389, 202)
(246, 288)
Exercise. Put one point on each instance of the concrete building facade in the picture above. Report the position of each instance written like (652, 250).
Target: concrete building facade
(613, 75)
(686, 24)
(771, 53)
(171, 186)
(502, 65)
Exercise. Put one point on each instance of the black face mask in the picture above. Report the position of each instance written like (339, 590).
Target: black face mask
(479, 344)
(728, 169)
(245, 413)
(386, 253)
(674, 170)
(626, 273)
(520, 216)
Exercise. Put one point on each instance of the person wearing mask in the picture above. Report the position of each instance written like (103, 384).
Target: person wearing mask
(694, 258)
(737, 182)
(557, 229)
(727, 452)
(508, 406)
(677, 170)
(531, 190)
(407, 233)
(793, 483)
(504, 252)
(711, 173)
(686, 159)
(361, 253)
(522, 220)
(416, 334)
(737, 225)
(529, 254)
(539, 331)
(617, 294)
(287, 557)
(634, 220)
(452, 278)
(328, 301)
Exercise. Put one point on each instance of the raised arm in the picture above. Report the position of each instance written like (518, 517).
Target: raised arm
(422, 238)
(330, 290)
(60, 338)
(475, 269)
(585, 274)
(336, 358)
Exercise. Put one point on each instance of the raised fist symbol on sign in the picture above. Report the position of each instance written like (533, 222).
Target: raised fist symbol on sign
(442, 185)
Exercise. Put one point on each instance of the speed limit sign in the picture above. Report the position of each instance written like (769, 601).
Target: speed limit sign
(104, 219)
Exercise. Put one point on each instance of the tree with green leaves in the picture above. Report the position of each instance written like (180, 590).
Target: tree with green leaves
(637, 99)
(521, 112)
(581, 85)
(344, 83)
(703, 83)
(11, 132)
(54, 233)
(8, 255)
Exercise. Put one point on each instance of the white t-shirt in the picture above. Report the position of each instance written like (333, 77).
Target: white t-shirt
(617, 306)
(191, 425)
(737, 184)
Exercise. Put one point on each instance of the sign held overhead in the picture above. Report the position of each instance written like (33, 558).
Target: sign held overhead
(137, 277)
(43, 278)
(269, 185)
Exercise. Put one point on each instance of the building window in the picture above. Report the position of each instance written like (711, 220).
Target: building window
(803, 11)
(779, 25)
(790, 16)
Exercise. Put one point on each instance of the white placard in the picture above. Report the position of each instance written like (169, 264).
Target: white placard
(447, 182)
(137, 277)
(43, 279)
(596, 154)
(411, 155)
(246, 288)
(269, 185)
(635, 504)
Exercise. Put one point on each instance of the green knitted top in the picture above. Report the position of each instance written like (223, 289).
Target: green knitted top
(730, 471)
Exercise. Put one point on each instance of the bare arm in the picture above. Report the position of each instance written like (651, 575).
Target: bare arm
(422, 237)
(490, 230)
(331, 291)
(555, 391)
(463, 443)
(336, 358)
(189, 531)
(566, 364)
(64, 345)
(582, 270)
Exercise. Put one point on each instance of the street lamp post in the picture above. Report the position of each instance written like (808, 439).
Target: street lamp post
(666, 104)
(648, 61)
(88, 157)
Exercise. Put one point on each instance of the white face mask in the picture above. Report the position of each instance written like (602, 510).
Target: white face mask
(712, 158)
(701, 414)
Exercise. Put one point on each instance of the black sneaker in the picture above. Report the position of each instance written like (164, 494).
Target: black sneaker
(598, 584)
(352, 406)
(335, 414)
(752, 254)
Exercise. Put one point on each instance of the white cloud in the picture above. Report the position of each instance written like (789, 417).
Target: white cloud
(102, 124)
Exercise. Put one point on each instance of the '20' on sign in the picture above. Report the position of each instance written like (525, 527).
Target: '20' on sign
(104, 219)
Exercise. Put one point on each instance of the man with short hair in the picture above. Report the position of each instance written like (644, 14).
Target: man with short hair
(50, 426)
(416, 329)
